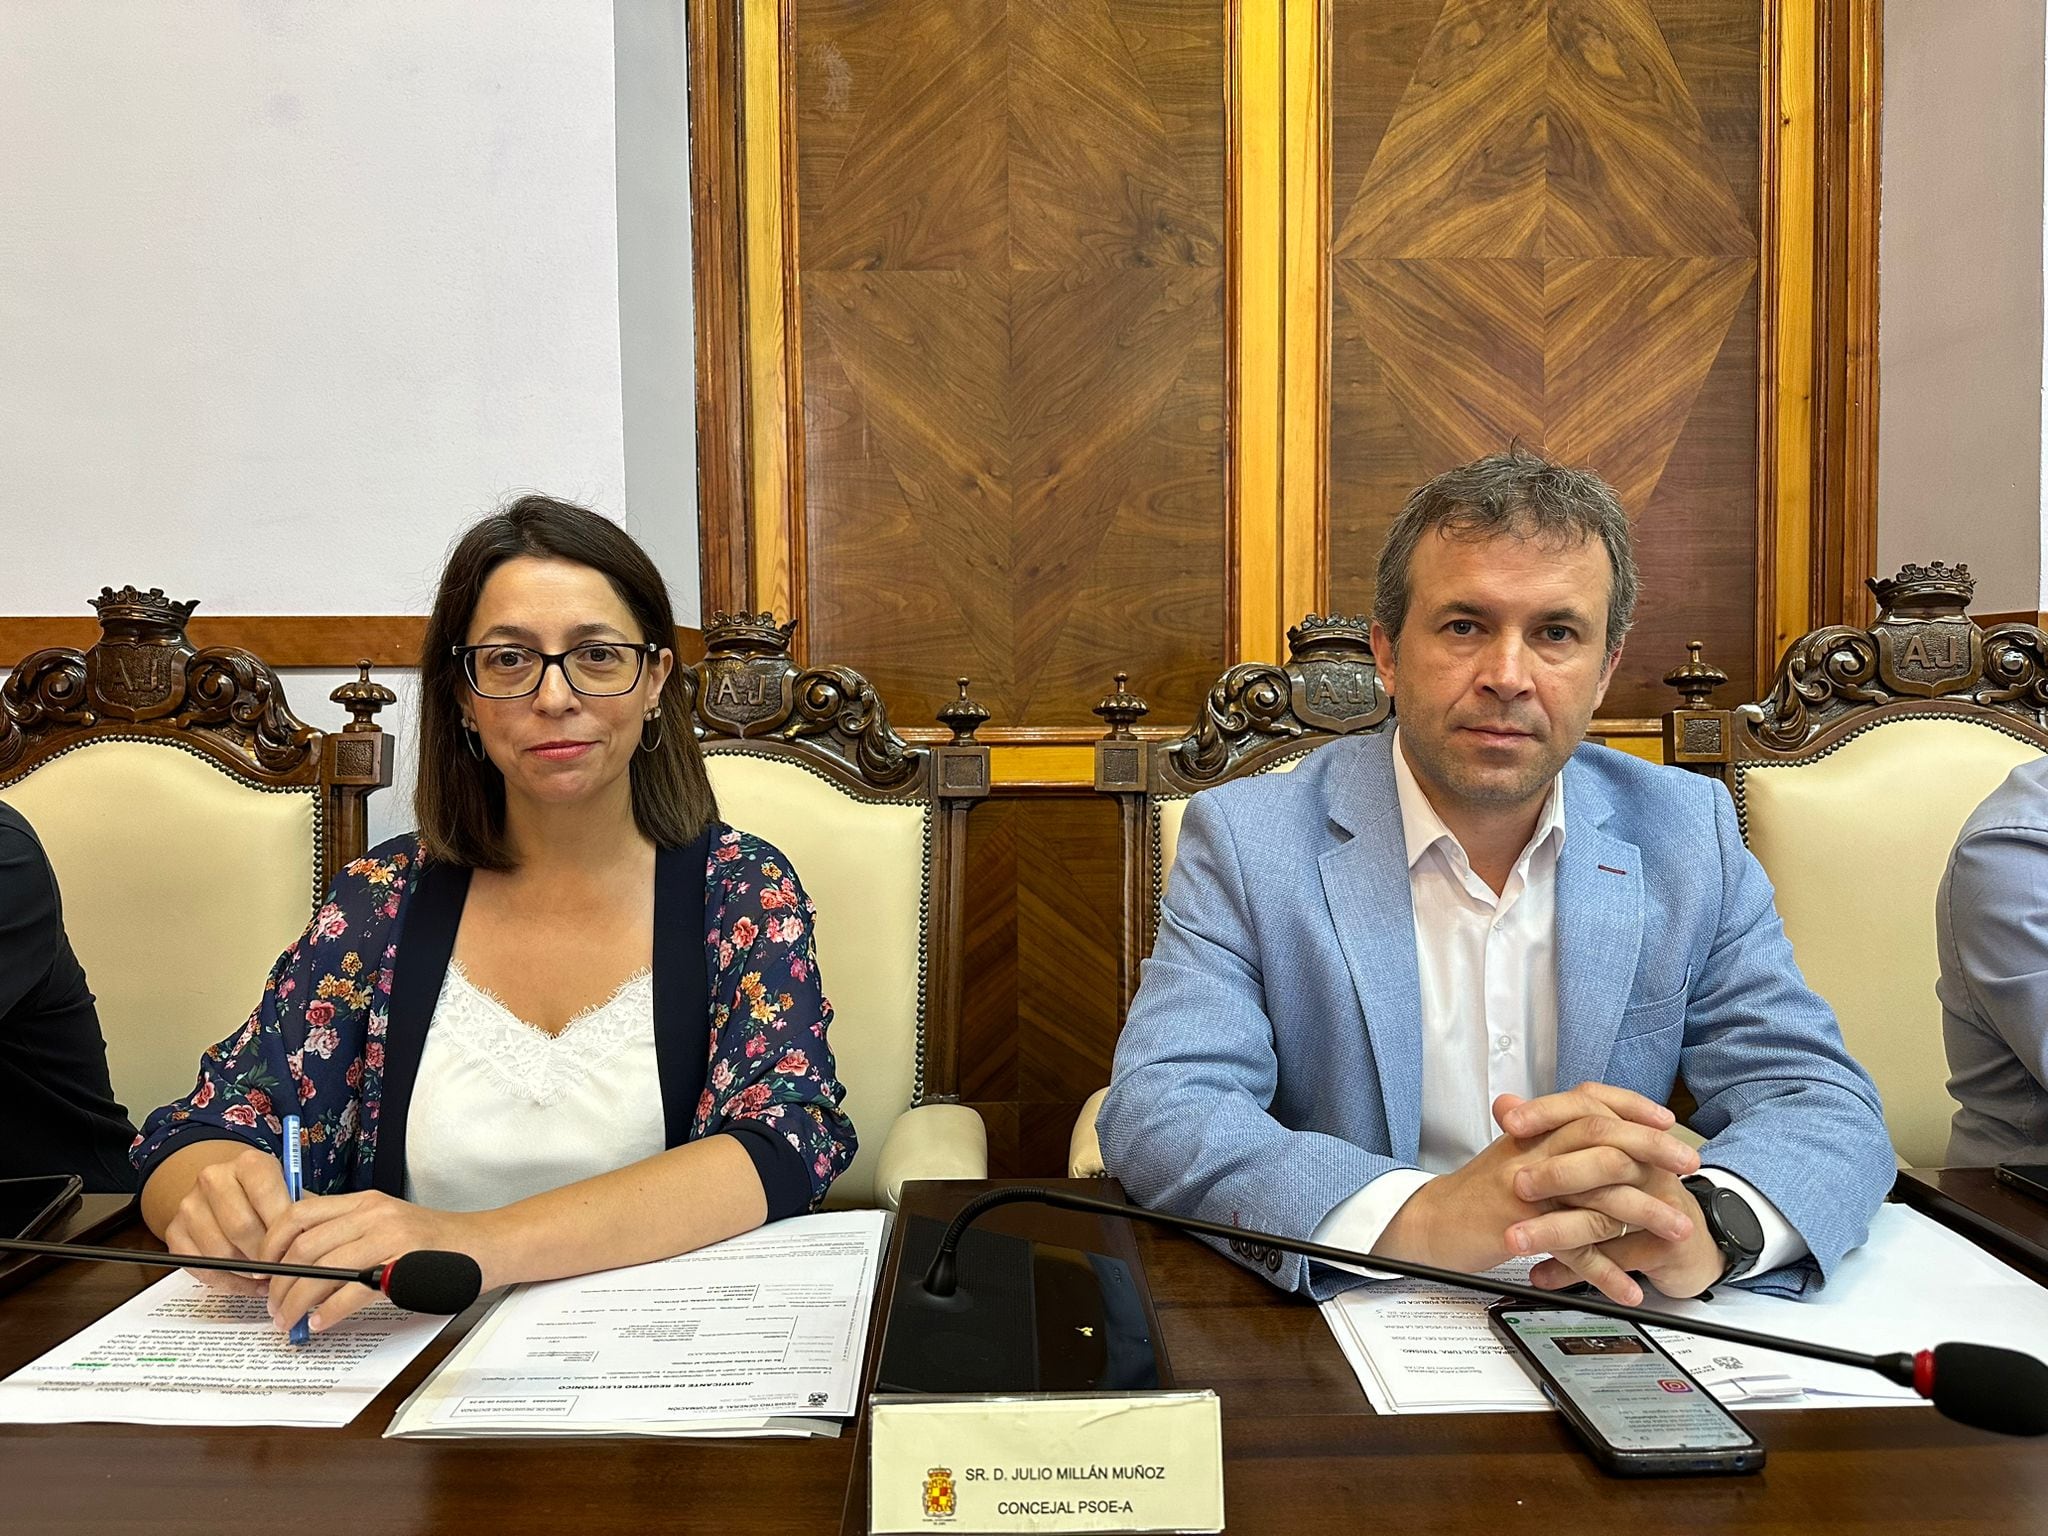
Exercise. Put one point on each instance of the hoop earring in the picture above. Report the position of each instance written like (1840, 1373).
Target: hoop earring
(473, 740)
(653, 719)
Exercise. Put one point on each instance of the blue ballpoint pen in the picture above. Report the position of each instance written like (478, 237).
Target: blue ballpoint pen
(294, 1186)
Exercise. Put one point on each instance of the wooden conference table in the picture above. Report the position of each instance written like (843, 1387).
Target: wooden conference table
(1304, 1451)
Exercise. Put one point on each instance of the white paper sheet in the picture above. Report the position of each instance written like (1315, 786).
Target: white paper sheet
(1419, 1348)
(761, 1334)
(1422, 1348)
(182, 1353)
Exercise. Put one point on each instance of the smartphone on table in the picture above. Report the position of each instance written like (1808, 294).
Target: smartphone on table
(1637, 1409)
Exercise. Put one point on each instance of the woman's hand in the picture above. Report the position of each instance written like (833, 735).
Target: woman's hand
(228, 1212)
(352, 1232)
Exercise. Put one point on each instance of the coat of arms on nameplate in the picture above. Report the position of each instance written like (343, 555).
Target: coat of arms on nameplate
(1927, 644)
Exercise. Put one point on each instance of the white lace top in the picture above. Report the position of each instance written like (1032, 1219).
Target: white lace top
(503, 1110)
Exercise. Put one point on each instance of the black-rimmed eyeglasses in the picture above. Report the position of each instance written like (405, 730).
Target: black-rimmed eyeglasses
(597, 669)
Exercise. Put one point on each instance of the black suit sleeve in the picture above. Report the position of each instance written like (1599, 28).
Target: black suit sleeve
(58, 1113)
(31, 926)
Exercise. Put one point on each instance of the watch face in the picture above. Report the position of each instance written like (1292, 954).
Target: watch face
(1738, 1222)
(1730, 1222)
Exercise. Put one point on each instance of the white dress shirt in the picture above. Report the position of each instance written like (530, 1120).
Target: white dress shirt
(502, 1110)
(1488, 970)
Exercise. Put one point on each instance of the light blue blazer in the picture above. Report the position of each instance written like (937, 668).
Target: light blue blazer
(1272, 1062)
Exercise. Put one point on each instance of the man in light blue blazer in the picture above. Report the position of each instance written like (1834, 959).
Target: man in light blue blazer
(1379, 977)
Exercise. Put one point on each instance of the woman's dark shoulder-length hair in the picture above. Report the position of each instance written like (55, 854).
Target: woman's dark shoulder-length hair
(460, 798)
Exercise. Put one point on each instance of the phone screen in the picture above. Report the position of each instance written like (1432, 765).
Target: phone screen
(1635, 1397)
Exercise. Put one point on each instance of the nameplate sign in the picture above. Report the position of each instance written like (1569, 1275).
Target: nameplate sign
(1092, 1461)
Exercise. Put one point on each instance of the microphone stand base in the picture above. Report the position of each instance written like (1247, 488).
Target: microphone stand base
(1025, 1317)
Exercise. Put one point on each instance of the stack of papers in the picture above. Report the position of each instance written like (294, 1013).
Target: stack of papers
(182, 1353)
(762, 1334)
(1421, 1348)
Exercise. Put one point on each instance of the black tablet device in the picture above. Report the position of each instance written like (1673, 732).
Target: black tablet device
(2027, 1178)
(30, 1207)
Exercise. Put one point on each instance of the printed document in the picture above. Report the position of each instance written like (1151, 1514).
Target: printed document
(1422, 1348)
(762, 1334)
(183, 1353)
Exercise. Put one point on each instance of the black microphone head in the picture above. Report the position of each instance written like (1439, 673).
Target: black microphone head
(1991, 1388)
(431, 1280)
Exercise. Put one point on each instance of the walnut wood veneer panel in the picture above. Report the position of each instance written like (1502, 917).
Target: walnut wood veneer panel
(1010, 275)
(1040, 1018)
(1545, 226)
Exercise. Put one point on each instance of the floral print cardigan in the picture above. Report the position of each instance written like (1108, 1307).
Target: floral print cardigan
(740, 1023)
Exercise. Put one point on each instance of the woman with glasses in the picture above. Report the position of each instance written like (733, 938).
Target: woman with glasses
(574, 1022)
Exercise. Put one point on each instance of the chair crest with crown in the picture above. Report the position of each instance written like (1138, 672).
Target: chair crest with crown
(192, 819)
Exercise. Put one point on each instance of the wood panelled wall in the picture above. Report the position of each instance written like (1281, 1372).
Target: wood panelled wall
(1042, 999)
(1547, 227)
(1050, 340)
(1009, 273)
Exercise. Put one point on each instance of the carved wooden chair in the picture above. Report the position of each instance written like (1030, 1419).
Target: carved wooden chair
(876, 828)
(1851, 782)
(192, 819)
(1258, 718)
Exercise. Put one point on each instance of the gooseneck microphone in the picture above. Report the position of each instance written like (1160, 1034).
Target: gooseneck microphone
(426, 1280)
(1981, 1385)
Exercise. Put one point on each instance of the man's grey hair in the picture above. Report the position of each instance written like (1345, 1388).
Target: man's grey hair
(1515, 494)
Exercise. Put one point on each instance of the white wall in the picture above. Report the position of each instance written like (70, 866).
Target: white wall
(1961, 349)
(292, 290)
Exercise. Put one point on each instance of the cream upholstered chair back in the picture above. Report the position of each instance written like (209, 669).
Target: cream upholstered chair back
(875, 827)
(181, 885)
(1855, 842)
(1258, 718)
(1851, 783)
(192, 822)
